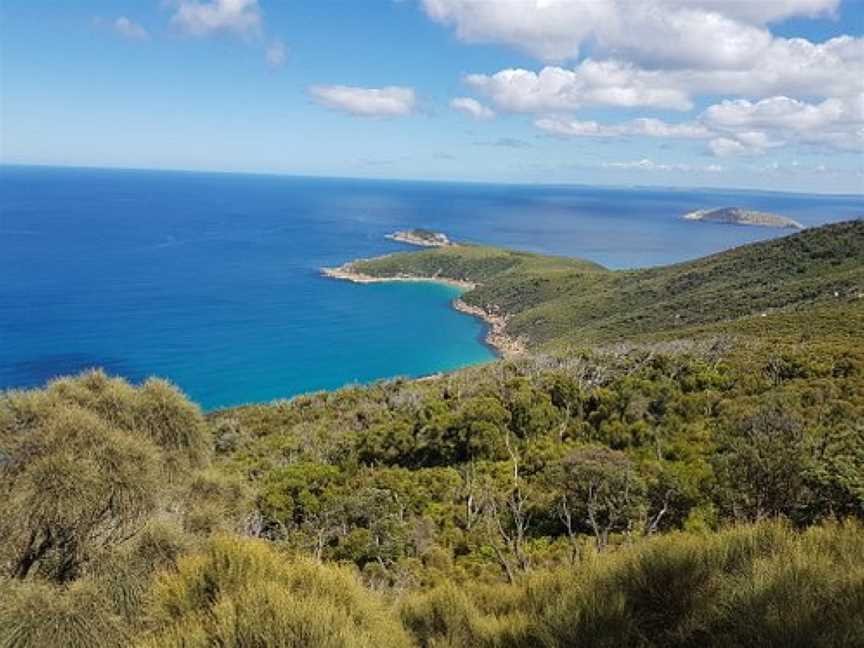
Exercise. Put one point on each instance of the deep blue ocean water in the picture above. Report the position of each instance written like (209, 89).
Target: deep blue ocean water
(212, 280)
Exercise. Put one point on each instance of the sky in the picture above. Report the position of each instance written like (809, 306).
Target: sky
(761, 94)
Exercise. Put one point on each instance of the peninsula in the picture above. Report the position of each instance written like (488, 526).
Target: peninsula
(549, 303)
(739, 216)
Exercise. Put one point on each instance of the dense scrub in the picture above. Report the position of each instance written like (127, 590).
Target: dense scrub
(697, 490)
(495, 471)
(762, 585)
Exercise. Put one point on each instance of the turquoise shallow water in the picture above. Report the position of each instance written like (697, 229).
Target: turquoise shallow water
(212, 280)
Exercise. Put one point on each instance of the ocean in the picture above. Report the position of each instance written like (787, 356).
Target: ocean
(212, 280)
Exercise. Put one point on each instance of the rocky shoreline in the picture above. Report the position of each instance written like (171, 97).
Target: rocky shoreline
(347, 273)
(504, 345)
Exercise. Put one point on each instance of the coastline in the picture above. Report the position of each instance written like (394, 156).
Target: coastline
(346, 273)
(504, 345)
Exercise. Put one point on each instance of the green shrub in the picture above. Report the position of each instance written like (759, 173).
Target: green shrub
(36, 614)
(764, 585)
(244, 593)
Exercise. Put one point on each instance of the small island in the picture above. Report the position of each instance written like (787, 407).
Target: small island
(739, 216)
(421, 237)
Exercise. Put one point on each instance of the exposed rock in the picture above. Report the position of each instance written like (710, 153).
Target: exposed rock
(425, 238)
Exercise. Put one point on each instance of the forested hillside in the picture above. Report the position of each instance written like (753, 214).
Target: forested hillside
(640, 479)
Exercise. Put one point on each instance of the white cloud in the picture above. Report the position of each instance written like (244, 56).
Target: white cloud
(130, 29)
(276, 53)
(789, 67)
(678, 32)
(648, 127)
(591, 83)
(472, 108)
(774, 112)
(548, 30)
(649, 165)
(663, 55)
(728, 147)
(392, 101)
(242, 17)
(741, 127)
(766, 11)
(835, 123)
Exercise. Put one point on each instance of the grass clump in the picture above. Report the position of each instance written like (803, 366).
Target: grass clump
(37, 614)
(245, 593)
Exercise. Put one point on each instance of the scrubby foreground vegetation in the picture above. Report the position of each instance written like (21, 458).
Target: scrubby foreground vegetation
(677, 491)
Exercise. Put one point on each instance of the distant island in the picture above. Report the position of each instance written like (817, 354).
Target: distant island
(739, 216)
(422, 237)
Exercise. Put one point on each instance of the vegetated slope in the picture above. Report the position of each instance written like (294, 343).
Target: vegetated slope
(554, 301)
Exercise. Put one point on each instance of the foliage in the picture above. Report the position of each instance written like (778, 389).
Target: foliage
(764, 585)
(244, 593)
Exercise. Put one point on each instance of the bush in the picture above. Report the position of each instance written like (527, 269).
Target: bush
(244, 593)
(72, 486)
(36, 614)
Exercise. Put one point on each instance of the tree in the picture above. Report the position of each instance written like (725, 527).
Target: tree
(760, 465)
(600, 489)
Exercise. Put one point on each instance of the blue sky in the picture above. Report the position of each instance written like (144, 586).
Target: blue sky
(766, 95)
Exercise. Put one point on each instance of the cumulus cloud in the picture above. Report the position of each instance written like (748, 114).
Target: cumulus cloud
(241, 17)
(676, 32)
(664, 55)
(276, 53)
(742, 127)
(392, 101)
(130, 29)
(835, 123)
(789, 67)
(649, 165)
(472, 108)
(727, 147)
(591, 83)
(764, 12)
(645, 126)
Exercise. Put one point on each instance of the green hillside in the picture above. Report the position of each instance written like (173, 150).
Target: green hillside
(556, 301)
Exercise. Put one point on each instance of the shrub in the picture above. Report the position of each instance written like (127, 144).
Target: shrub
(244, 593)
(72, 485)
(36, 614)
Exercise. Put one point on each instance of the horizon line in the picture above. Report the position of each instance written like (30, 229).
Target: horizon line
(279, 174)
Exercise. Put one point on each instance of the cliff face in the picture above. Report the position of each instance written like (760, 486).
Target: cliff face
(738, 216)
